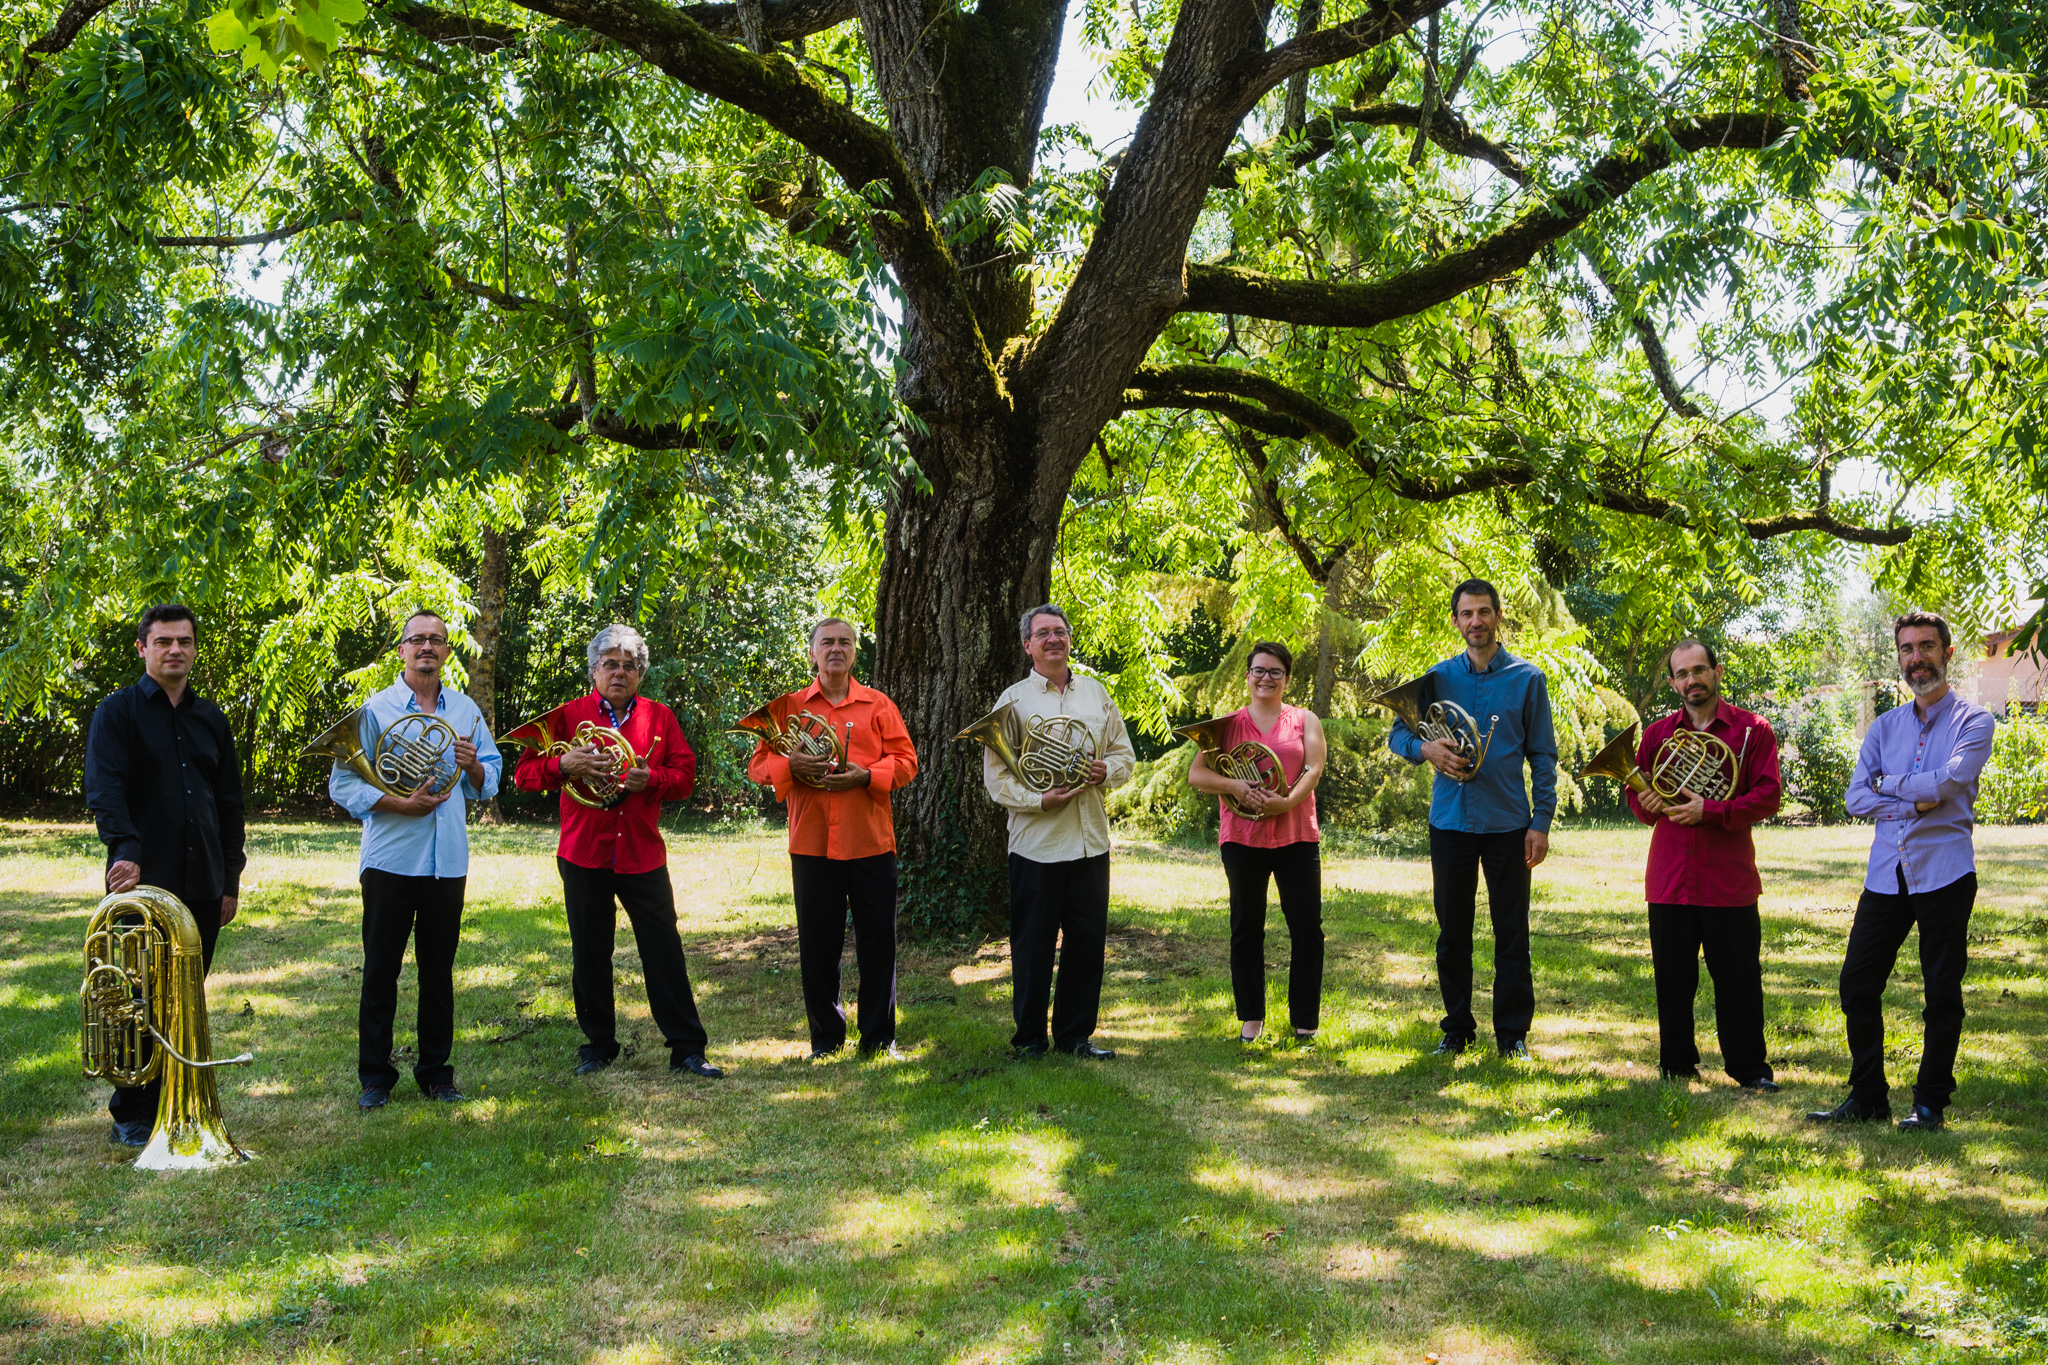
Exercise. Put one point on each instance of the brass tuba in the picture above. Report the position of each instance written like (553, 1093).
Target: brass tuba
(807, 733)
(1054, 751)
(414, 750)
(142, 1016)
(1690, 760)
(550, 736)
(1246, 761)
(1434, 718)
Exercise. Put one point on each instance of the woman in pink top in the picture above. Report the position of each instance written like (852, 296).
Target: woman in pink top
(1282, 844)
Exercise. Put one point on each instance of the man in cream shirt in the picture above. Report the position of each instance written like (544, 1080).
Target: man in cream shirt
(1059, 848)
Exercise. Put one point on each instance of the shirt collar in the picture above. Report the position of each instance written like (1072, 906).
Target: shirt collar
(816, 692)
(1936, 711)
(1724, 714)
(604, 704)
(1501, 659)
(403, 689)
(1045, 684)
(152, 689)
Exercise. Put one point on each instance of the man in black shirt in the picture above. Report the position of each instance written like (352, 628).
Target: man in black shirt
(165, 787)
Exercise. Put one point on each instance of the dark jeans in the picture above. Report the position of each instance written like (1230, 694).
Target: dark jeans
(827, 890)
(1731, 937)
(1880, 928)
(1455, 860)
(1067, 903)
(138, 1102)
(650, 904)
(427, 910)
(1298, 871)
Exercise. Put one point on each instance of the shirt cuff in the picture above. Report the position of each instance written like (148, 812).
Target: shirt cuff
(125, 851)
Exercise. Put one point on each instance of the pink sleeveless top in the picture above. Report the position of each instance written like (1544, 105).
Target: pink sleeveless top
(1297, 826)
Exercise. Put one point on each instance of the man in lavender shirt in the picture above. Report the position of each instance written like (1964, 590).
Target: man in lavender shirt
(1917, 778)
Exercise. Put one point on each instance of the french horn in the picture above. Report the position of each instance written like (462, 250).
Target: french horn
(806, 733)
(1690, 760)
(1246, 761)
(1438, 718)
(550, 735)
(142, 1017)
(413, 751)
(1052, 751)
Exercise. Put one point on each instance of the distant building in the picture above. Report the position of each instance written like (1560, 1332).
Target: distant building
(2002, 680)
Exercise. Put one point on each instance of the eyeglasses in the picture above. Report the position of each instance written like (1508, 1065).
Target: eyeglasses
(617, 666)
(419, 641)
(1050, 633)
(1273, 673)
(1697, 673)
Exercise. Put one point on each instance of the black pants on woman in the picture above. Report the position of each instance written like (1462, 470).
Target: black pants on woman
(650, 904)
(1455, 860)
(1731, 938)
(828, 890)
(1297, 869)
(1875, 937)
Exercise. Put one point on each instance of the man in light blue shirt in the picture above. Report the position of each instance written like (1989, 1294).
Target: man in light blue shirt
(1916, 778)
(415, 862)
(1480, 817)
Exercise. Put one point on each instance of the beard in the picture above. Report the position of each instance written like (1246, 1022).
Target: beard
(1925, 678)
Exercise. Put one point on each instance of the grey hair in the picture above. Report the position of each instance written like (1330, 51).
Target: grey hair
(618, 636)
(824, 621)
(1045, 609)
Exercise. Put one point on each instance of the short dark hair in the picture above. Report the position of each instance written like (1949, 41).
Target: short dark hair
(1043, 609)
(1472, 587)
(416, 615)
(1922, 618)
(164, 611)
(1277, 650)
(1713, 659)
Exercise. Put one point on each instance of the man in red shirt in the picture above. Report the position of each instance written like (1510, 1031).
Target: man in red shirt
(616, 851)
(1702, 881)
(842, 840)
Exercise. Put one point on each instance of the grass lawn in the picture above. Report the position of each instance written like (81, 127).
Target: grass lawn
(1190, 1201)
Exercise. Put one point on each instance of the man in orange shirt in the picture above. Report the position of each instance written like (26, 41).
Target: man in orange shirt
(842, 840)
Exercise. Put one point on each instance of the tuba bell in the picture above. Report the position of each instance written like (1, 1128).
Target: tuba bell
(550, 735)
(142, 1016)
(413, 751)
(1433, 718)
(1053, 751)
(1246, 761)
(807, 733)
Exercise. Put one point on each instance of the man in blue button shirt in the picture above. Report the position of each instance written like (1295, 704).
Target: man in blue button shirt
(415, 865)
(1480, 817)
(1916, 779)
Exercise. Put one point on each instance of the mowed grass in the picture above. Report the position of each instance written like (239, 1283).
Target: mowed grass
(1190, 1201)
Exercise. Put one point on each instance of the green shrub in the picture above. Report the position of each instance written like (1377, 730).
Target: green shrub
(1823, 759)
(2014, 787)
(1365, 787)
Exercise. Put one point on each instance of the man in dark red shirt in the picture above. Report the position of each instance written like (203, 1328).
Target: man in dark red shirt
(616, 851)
(1702, 882)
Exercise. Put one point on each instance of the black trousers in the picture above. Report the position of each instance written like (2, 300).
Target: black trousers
(827, 891)
(1065, 904)
(1455, 861)
(132, 1102)
(587, 895)
(427, 910)
(1731, 937)
(1298, 871)
(1880, 928)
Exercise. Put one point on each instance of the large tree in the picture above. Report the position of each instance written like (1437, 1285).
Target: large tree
(509, 220)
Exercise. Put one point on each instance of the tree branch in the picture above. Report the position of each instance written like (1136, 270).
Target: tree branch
(1266, 484)
(262, 238)
(452, 28)
(511, 303)
(862, 154)
(1447, 129)
(1226, 289)
(1654, 354)
(73, 19)
(1265, 405)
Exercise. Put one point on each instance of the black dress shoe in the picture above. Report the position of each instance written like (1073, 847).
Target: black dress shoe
(1763, 1085)
(819, 1054)
(1088, 1052)
(1921, 1120)
(590, 1066)
(1517, 1051)
(697, 1066)
(1851, 1110)
(446, 1094)
(133, 1133)
(373, 1097)
(1447, 1046)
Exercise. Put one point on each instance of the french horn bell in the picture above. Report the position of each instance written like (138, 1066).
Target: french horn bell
(550, 735)
(1052, 751)
(414, 750)
(142, 1018)
(806, 733)
(1432, 717)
